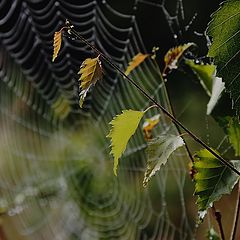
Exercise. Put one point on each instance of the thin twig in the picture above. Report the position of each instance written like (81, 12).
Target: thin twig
(109, 61)
(217, 215)
(236, 215)
(172, 110)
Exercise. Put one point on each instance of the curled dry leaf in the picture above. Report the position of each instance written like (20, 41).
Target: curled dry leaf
(57, 41)
(173, 55)
(91, 72)
(137, 60)
(148, 126)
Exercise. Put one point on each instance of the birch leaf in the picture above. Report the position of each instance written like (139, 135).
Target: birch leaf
(172, 57)
(91, 72)
(137, 60)
(213, 85)
(212, 179)
(233, 131)
(218, 86)
(205, 74)
(57, 41)
(123, 127)
(148, 126)
(158, 151)
(224, 29)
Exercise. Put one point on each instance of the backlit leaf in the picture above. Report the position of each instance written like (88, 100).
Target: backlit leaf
(173, 55)
(218, 87)
(91, 72)
(158, 151)
(123, 127)
(225, 48)
(212, 179)
(233, 131)
(205, 73)
(137, 60)
(149, 124)
(213, 85)
(57, 41)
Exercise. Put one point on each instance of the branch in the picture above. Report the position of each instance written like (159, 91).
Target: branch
(217, 215)
(109, 61)
(236, 215)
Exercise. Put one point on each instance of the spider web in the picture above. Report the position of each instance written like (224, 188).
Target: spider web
(56, 172)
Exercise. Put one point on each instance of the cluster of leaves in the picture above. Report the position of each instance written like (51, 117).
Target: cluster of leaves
(212, 178)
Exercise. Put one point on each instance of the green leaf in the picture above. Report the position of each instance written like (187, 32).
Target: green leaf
(123, 127)
(225, 48)
(158, 151)
(212, 179)
(205, 73)
(213, 85)
(212, 235)
(233, 131)
(217, 89)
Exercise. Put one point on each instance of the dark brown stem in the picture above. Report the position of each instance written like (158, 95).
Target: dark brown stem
(236, 215)
(2, 234)
(109, 61)
(217, 215)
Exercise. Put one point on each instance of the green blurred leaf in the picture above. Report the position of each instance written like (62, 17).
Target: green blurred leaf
(212, 178)
(225, 48)
(123, 127)
(233, 131)
(212, 235)
(158, 151)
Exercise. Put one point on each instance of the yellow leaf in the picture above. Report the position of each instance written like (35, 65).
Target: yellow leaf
(57, 41)
(173, 55)
(91, 72)
(148, 126)
(138, 59)
(123, 127)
